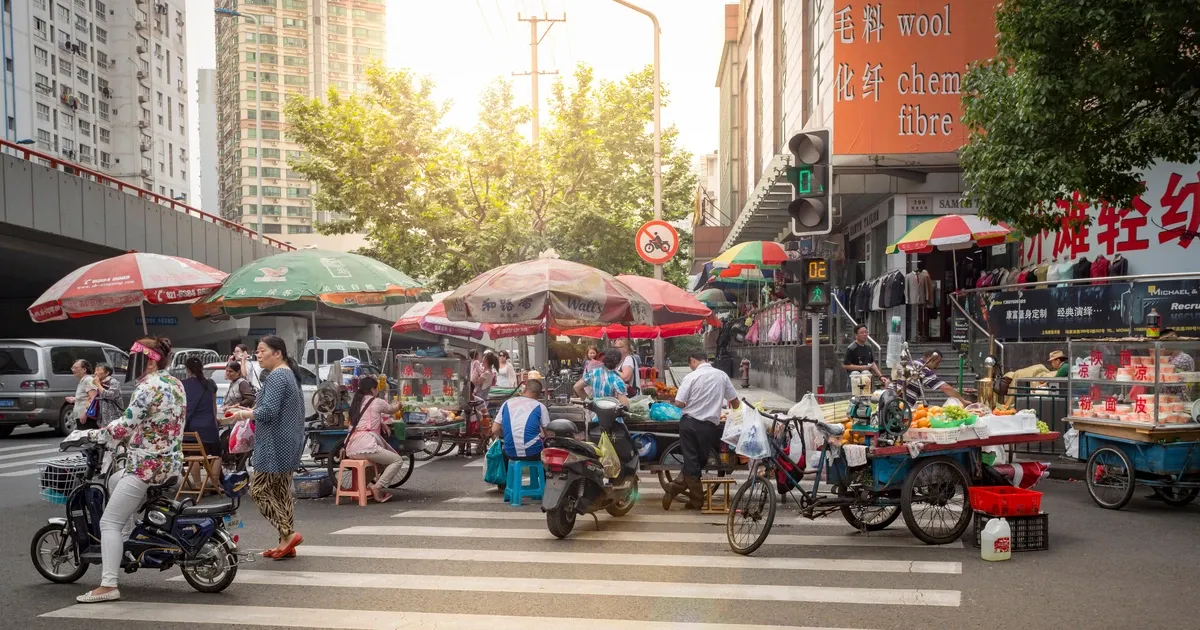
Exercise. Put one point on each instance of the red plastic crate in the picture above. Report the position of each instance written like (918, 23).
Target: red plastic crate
(1005, 501)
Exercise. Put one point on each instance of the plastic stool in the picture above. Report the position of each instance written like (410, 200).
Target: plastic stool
(358, 480)
(514, 491)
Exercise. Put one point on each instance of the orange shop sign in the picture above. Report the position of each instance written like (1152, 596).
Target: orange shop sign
(898, 67)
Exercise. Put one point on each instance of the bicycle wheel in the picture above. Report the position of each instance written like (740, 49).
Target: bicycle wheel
(1110, 477)
(671, 456)
(408, 470)
(751, 516)
(868, 517)
(1178, 497)
(934, 500)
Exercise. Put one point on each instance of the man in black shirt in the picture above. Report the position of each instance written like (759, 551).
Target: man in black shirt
(859, 357)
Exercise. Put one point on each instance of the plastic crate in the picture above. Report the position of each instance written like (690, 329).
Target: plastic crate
(312, 485)
(1029, 533)
(1005, 501)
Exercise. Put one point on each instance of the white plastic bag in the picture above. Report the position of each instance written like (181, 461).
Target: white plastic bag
(734, 422)
(808, 408)
(754, 442)
(1071, 442)
(796, 446)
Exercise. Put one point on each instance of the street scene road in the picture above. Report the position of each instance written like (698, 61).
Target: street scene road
(447, 553)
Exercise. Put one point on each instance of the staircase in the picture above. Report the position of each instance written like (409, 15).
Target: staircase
(948, 370)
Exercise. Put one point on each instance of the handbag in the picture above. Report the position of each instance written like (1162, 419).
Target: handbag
(495, 472)
(93, 410)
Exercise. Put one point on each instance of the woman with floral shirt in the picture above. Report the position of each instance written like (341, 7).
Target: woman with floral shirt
(152, 425)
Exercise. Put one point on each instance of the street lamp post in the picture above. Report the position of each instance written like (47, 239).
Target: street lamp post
(658, 269)
(257, 107)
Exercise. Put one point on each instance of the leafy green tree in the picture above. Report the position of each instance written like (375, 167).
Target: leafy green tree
(1081, 96)
(447, 204)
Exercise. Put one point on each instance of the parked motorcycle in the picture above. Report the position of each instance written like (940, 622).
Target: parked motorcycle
(575, 479)
(167, 532)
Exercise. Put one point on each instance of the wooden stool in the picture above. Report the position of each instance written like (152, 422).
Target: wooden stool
(711, 486)
(199, 463)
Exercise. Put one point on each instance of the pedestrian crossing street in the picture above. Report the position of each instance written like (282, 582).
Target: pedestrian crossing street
(473, 562)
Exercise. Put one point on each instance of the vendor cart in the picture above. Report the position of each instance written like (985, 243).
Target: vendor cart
(328, 446)
(1138, 418)
(434, 392)
(927, 484)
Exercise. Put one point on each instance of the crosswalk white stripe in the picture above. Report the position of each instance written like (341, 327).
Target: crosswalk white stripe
(21, 473)
(475, 464)
(634, 559)
(877, 539)
(242, 615)
(498, 498)
(30, 453)
(27, 462)
(23, 447)
(615, 588)
(693, 518)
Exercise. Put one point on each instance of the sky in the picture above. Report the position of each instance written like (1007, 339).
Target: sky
(465, 44)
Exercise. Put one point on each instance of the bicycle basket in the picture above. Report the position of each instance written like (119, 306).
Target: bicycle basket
(60, 477)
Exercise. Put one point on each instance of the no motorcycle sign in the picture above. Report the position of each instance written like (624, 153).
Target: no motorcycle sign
(656, 242)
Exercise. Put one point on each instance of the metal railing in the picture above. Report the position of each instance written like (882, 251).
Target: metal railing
(1051, 400)
(73, 168)
(852, 321)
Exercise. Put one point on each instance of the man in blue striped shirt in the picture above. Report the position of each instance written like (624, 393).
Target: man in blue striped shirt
(604, 382)
(520, 423)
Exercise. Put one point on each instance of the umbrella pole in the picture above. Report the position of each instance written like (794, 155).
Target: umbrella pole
(142, 308)
(316, 348)
(386, 350)
(954, 258)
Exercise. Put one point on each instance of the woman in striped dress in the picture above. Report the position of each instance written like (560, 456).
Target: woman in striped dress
(278, 441)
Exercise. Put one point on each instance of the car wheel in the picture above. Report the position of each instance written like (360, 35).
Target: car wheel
(66, 424)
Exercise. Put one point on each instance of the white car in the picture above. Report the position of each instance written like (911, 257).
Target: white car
(216, 371)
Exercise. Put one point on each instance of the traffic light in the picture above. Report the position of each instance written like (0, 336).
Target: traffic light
(811, 287)
(811, 175)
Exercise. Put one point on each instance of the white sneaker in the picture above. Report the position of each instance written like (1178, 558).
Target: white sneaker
(88, 598)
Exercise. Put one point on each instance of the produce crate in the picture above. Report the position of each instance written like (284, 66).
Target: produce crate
(1005, 501)
(1029, 533)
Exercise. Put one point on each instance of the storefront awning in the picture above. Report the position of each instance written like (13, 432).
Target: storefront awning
(765, 213)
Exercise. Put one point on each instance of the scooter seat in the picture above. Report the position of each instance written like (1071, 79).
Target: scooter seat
(219, 508)
(575, 446)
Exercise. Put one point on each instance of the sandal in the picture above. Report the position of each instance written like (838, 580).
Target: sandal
(386, 497)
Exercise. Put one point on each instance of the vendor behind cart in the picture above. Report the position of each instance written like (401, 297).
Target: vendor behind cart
(369, 416)
(604, 381)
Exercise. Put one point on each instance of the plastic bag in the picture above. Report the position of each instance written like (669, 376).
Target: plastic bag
(665, 412)
(733, 424)
(796, 447)
(608, 457)
(1071, 442)
(639, 406)
(807, 408)
(241, 437)
(753, 442)
(494, 470)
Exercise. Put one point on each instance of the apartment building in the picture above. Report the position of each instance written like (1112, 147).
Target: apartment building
(304, 48)
(102, 84)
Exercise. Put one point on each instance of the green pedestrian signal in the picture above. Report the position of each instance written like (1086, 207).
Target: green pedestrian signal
(816, 298)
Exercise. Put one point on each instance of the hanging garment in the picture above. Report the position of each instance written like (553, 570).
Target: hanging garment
(1119, 266)
(926, 286)
(1100, 268)
(894, 290)
(1041, 273)
(912, 289)
(1081, 269)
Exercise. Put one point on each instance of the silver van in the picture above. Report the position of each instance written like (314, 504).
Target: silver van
(36, 379)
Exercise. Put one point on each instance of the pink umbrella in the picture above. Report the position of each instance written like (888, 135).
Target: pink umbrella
(431, 318)
(125, 281)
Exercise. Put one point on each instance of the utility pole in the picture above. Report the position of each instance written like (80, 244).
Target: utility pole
(535, 38)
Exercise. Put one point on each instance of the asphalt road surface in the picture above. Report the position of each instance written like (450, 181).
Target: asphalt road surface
(446, 553)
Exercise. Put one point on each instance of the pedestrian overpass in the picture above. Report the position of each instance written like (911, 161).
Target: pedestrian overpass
(56, 216)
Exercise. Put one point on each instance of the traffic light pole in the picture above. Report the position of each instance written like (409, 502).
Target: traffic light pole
(814, 322)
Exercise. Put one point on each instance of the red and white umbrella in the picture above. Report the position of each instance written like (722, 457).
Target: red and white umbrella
(125, 281)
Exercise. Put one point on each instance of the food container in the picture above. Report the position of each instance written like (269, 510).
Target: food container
(915, 434)
(1017, 424)
(945, 436)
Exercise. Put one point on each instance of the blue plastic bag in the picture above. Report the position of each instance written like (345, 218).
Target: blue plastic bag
(665, 412)
(494, 472)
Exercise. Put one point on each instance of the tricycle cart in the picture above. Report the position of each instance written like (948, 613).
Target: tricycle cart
(438, 382)
(1138, 419)
(930, 488)
(328, 446)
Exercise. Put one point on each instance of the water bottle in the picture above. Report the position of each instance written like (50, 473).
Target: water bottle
(995, 543)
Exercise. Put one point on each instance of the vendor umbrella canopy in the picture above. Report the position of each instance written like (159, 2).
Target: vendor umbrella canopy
(713, 298)
(949, 232)
(431, 318)
(296, 281)
(125, 281)
(675, 313)
(557, 292)
(751, 255)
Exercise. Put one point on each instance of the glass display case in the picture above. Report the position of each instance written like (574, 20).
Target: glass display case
(1130, 383)
(432, 382)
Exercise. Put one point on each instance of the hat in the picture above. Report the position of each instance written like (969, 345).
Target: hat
(533, 375)
(1057, 354)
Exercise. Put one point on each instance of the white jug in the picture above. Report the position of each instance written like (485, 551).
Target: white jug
(995, 543)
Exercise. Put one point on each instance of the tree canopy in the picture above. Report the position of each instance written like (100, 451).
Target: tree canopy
(1082, 96)
(449, 204)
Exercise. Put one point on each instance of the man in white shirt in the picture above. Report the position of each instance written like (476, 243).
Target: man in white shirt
(702, 396)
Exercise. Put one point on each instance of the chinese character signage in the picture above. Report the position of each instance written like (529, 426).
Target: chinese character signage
(1093, 311)
(897, 70)
(1156, 234)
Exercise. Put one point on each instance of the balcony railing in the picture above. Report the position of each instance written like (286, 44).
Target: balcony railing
(72, 168)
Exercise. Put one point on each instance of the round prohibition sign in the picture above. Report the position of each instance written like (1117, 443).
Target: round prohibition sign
(656, 242)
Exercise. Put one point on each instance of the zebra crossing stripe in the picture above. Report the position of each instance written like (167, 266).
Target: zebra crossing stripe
(44, 451)
(614, 588)
(876, 539)
(633, 559)
(680, 517)
(338, 619)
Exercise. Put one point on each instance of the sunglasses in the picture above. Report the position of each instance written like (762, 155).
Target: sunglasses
(150, 352)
